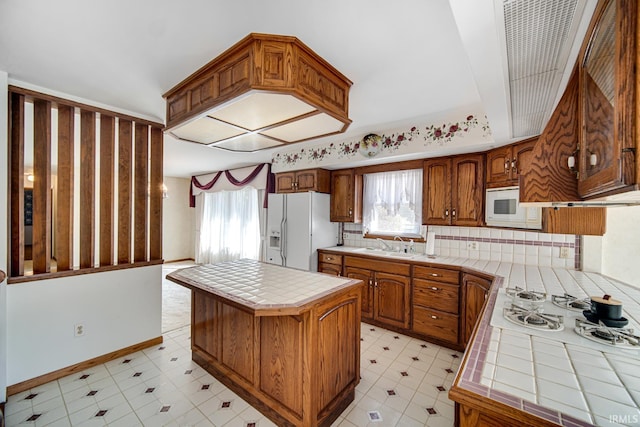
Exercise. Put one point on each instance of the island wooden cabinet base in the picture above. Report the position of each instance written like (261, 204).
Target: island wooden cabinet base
(298, 370)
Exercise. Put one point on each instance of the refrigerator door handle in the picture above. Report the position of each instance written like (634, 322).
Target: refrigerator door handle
(283, 232)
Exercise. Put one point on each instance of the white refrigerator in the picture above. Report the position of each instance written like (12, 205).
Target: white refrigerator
(297, 225)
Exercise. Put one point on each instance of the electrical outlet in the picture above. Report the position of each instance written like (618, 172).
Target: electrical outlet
(564, 252)
(472, 245)
(78, 330)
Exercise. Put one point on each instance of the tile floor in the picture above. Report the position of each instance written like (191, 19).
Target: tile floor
(404, 382)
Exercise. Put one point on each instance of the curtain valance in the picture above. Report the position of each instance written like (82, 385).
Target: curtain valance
(258, 177)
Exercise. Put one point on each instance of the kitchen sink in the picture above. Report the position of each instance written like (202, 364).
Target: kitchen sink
(382, 252)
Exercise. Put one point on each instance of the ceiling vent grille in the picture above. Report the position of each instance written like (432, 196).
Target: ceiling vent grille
(539, 35)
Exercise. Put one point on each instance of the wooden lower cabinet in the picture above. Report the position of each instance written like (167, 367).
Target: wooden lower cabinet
(436, 303)
(330, 264)
(476, 290)
(391, 299)
(298, 370)
(367, 290)
(386, 295)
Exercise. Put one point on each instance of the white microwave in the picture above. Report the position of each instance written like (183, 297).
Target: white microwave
(502, 209)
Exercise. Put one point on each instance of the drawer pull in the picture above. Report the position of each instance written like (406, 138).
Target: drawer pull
(433, 288)
(435, 275)
(434, 317)
(329, 258)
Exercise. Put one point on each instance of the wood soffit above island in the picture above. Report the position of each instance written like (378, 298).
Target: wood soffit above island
(263, 92)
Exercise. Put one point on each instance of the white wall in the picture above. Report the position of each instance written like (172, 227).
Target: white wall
(117, 308)
(4, 225)
(178, 221)
(621, 245)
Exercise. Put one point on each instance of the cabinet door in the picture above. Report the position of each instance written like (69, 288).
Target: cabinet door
(476, 290)
(436, 192)
(467, 190)
(346, 197)
(285, 182)
(607, 84)
(521, 155)
(367, 290)
(499, 167)
(391, 299)
(306, 180)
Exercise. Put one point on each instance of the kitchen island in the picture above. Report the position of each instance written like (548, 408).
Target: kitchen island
(287, 341)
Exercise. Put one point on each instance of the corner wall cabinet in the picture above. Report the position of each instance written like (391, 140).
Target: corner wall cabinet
(608, 103)
(346, 196)
(304, 180)
(453, 191)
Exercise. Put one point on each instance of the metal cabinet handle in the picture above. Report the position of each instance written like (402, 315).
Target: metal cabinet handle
(434, 288)
(514, 165)
(506, 167)
(329, 258)
(350, 211)
(453, 213)
(370, 283)
(446, 213)
(434, 317)
(435, 275)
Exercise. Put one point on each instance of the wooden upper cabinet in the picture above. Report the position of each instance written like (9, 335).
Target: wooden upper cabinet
(305, 180)
(436, 192)
(608, 105)
(346, 196)
(467, 190)
(503, 163)
(453, 190)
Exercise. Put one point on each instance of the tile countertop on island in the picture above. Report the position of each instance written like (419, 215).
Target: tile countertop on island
(556, 375)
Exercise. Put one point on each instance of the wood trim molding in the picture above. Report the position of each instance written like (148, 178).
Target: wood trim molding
(16, 188)
(79, 367)
(87, 188)
(85, 107)
(64, 216)
(124, 190)
(42, 186)
(107, 193)
(155, 197)
(140, 191)
(68, 273)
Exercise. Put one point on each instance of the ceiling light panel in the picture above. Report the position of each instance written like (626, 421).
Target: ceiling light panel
(258, 110)
(310, 127)
(205, 131)
(248, 142)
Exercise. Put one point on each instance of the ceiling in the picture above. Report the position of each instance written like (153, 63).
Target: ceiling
(408, 60)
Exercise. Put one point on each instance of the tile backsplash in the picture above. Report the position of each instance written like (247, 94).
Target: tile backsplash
(519, 246)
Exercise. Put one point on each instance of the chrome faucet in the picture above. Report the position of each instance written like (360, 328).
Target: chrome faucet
(384, 244)
(401, 246)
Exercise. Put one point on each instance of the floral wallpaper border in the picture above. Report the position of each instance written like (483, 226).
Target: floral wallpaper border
(415, 137)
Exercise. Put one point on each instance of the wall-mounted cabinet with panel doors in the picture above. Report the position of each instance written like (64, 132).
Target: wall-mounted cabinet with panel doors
(304, 180)
(589, 148)
(346, 196)
(504, 163)
(453, 191)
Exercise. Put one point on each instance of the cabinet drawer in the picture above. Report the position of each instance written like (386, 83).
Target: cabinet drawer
(436, 324)
(434, 273)
(378, 265)
(330, 258)
(431, 294)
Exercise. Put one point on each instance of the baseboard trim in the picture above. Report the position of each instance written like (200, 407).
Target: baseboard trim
(78, 367)
(179, 260)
